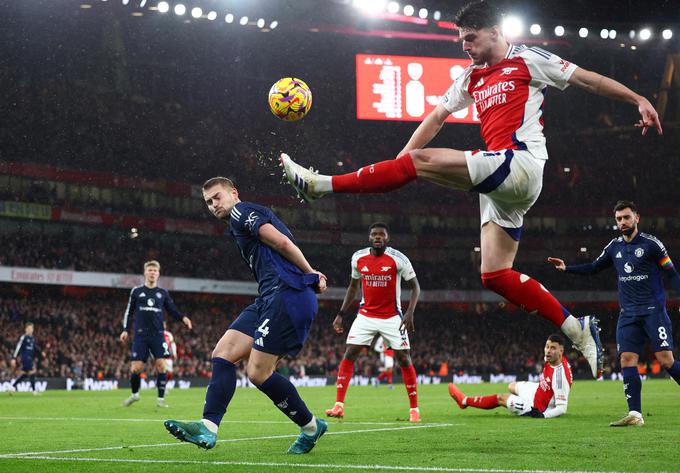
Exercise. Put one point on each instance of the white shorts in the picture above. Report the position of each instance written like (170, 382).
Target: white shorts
(523, 401)
(387, 361)
(168, 365)
(508, 182)
(365, 328)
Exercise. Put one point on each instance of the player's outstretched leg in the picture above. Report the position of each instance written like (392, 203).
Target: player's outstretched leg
(532, 296)
(480, 402)
(380, 177)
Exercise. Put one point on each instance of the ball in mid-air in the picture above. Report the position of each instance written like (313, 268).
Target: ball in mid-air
(290, 99)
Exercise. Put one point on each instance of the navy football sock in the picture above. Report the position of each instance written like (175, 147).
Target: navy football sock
(674, 371)
(632, 386)
(285, 396)
(220, 390)
(135, 382)
(16, 381)
(32, 378)
(161, 379)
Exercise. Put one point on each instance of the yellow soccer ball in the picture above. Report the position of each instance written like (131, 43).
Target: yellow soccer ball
(290, 99)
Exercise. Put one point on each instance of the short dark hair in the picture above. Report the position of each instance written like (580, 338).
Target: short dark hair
(556, 338)
(478, 14)
(223, 181)
(625, 204)
(378, 225)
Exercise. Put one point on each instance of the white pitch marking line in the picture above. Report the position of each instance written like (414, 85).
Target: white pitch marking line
(310, 465)
(120, 419)
(244, 439)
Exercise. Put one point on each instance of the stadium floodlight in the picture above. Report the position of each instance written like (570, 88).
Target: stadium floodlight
(180, 9)
(228, 18)
(667, 34)
(125, 2)
(243, 21)
(392, 7)
(273, 24)
(370, 6)
(196, 12)
(583, 32)
(212, 15)
(559, 30)
(260, 23)
(645, 34)
(612, 34)
(422, 13)
(604, 33)
(437, 15)
(631, 34)
(409, 10)
(142, 4)
(163, 7)
(512, 27)
(535, 29)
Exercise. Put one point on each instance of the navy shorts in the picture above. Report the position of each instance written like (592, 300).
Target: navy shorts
(26, 363)
(145, 344)
(632, 331)
(279, 323)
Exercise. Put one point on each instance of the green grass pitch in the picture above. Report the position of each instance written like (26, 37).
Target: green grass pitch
(91, 431)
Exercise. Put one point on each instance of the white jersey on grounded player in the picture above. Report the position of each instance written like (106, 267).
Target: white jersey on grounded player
(509, 97)
(170, 341)
(381, 281)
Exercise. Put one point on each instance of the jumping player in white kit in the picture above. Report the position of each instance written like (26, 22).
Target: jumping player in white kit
(507, 84)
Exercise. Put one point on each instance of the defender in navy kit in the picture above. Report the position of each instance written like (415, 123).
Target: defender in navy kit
(26, 349)
(639, 259)
(275, 325)
(147, 303)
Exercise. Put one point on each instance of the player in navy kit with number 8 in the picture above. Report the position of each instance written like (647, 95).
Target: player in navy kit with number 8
(640, 259)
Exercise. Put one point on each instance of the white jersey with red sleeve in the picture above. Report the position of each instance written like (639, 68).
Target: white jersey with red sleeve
(554, 384)
(171, 347)
(381, 281)
(509, 97)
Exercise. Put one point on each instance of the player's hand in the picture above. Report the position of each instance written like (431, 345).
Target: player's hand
(187, 321)
(323, 282)
(123, 336)
(13, 363)
(649, 117)
(535, 413)
(407, 323)
(337, 324)
(558, 263)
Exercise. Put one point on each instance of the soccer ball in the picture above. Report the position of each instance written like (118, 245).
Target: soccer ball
(290, 99)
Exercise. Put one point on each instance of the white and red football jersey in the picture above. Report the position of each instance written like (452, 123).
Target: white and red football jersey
(381, 281)
(509, 97)
(554, 385)
(170, 341)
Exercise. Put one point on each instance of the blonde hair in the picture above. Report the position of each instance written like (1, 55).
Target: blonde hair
(223, 181)
(153, 263)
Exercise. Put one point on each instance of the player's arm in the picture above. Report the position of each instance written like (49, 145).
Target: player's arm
(132, 303)
(172, 310)
(407, 323)
(607, 87)
(350, 296)
(280, 243)
(601, 262)
(561, 391)
(427, 130)
(664, 262)
(173, 349)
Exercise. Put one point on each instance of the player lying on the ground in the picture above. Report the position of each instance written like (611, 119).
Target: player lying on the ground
(507, 85)
(545, 399)
(379, 270)
(274, 326)
(639, 259)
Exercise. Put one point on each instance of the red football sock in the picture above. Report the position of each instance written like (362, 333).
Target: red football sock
(389, 376)
(482, 402)
(527, 293)
(380, 177)
(411, 384)
(382, 375)
(345, 372)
